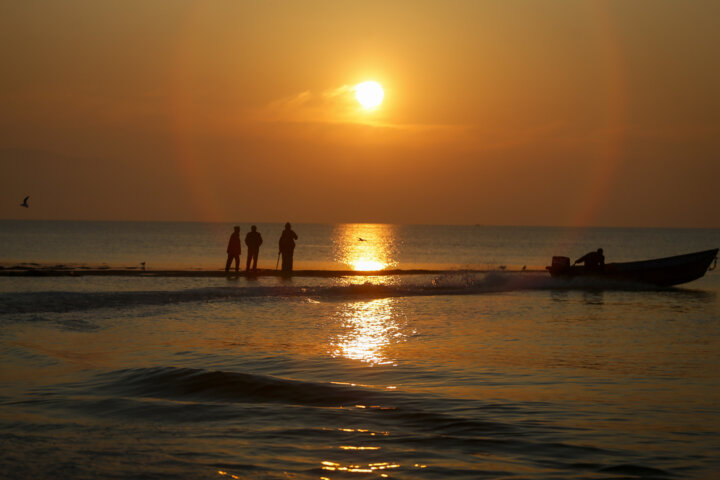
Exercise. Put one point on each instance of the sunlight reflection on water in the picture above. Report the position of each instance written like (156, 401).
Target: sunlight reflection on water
(365, 246)
(359, 468)
(370, 328)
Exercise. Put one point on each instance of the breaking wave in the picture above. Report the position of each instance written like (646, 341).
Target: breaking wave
(448, 284)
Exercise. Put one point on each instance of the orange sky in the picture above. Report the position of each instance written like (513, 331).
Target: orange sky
(496, 112)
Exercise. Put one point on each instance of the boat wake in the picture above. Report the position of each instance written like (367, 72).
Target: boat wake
(446, 284)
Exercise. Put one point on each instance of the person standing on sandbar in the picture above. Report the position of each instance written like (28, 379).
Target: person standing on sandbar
(234, 250)
(286, 245)
(253, 240)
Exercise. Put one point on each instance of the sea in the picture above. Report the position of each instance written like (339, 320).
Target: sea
(467, 361)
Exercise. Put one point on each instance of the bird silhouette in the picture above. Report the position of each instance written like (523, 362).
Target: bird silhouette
(361, 239)
(24, 203)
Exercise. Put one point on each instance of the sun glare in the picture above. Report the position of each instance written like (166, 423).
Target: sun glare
(369, 94)
(366, 265)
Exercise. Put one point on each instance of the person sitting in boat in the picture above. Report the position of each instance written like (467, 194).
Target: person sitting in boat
(594, 261)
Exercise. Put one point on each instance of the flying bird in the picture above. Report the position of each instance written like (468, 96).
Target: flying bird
(361, 239)
(24, 203)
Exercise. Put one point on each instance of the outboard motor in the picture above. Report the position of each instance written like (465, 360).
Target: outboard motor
(559, 265)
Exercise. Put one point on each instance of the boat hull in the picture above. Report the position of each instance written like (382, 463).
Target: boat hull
(662, 272)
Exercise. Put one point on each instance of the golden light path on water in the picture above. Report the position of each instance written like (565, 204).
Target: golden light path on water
(370, 328)
(365, 246)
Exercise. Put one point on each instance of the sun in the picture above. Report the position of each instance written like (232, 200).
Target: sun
(369, 94)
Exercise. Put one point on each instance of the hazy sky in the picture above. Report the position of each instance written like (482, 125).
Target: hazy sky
(495, 112)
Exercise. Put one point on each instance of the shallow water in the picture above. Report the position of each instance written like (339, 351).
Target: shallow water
(453, 375)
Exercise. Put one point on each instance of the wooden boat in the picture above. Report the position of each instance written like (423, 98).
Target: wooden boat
(662, 272)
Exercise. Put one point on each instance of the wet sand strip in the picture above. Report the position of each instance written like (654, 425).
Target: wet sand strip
(50, 272)
(23, 271)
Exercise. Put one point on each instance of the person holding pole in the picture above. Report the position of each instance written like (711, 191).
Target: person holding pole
(286, 246)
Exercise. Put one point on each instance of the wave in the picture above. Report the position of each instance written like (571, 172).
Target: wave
(245, 408)
(448, 284)
(249, 401)
(222, 386)
(188, 386)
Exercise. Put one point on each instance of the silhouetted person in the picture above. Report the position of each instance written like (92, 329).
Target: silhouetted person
(287, 247)
(594, 261)
(253, 240)
(234, 250)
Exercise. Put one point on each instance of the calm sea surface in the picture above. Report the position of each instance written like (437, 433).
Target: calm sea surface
(499, 373)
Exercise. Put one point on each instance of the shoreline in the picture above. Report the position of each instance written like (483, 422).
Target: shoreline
(34, 270)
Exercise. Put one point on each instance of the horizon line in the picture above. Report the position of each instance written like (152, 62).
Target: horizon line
(480, 225)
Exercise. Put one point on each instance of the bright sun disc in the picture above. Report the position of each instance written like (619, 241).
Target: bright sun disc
(369, 94)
